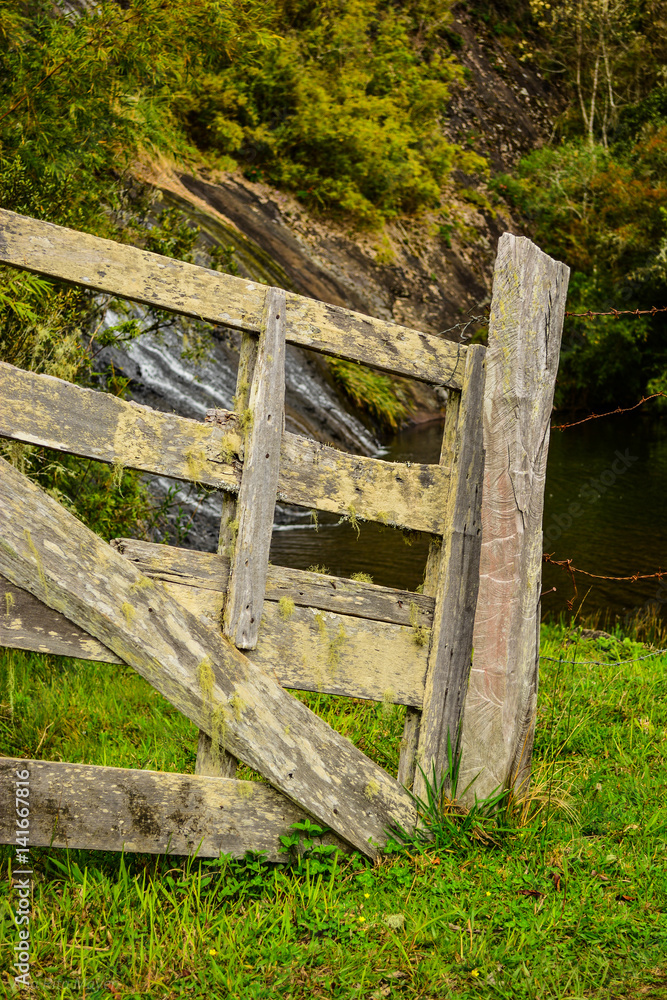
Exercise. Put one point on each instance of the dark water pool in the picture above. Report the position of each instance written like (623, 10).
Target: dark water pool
(605, 508)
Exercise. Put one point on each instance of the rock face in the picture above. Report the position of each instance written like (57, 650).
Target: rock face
(506, 108)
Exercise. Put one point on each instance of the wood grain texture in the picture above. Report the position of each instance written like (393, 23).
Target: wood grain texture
(337, 654)
(259, 484)
(527, 311)
(407, 762)
(309, 650)
(153, 812)
(69, 568)
(456, 592)
(309, 590)
(247, 359)
(316, 475)
(220, 298)
(26, 623)
(43, 410)
(217, 762)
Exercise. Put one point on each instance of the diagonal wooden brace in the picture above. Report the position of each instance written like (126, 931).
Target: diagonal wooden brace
(47, 551)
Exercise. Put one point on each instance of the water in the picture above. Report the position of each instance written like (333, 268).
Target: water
(604, 508)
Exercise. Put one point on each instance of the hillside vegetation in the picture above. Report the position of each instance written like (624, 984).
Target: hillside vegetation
(597, 195)
(345, 105)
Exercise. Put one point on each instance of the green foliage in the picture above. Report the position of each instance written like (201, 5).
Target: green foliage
(374, 393)
(610, 53)
(602, 212)
(596, 198)
(341, 103)
(344, 107)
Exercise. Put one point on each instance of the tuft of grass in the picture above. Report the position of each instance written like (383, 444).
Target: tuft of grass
(317, 568)
(560, 892)
(380, 396)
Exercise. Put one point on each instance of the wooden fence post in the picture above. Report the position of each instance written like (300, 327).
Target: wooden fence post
(527, 310)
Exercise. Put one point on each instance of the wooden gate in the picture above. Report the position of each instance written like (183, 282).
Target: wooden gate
(211, 631)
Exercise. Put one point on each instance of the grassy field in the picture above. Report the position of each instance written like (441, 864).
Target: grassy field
(562, 896)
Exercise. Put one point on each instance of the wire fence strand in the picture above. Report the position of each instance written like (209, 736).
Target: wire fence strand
(617, 313)
(605, 663)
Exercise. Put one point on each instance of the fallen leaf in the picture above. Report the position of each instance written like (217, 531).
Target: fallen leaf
(533, 893)
(625, 899)
(556, 879)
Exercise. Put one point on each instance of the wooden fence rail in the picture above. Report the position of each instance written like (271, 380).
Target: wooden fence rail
(222, 635)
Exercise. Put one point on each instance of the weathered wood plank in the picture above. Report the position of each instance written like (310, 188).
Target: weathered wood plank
(26, 623)
(154, 812)
(220, 298)
(374, 342)
(456, 595)
(42, 410)
(407, 762)
(370, 489)
(306, 589)
(214, 761)
(310, 650)
(247, 359)
(527, 310)
(409, 744)
(338, 654)
(259, 484)
(305, 648)
(69, 568)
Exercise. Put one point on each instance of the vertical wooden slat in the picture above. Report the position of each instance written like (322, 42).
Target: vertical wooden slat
(527, 309)
(216, 762)
(409, 742)
(407, 762)
(264, 420)
(456, 594)
(247, 359)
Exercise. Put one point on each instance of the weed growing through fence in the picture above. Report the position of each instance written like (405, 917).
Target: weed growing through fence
(560, 895)
(420, 633)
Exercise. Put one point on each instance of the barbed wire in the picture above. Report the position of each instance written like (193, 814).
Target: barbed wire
(463, 326)
(566, 564)
(610, 413)
(605, 663)
(616, 313)
(571, 570)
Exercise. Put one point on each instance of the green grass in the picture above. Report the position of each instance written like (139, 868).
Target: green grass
(564, 897)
